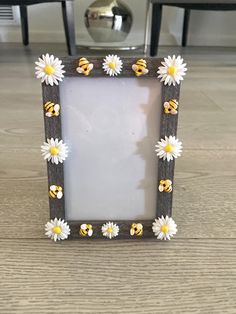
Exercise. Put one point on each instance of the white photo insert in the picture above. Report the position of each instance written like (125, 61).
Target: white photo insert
(111, 126)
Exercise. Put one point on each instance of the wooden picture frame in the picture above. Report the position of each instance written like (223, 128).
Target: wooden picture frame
(168, 127)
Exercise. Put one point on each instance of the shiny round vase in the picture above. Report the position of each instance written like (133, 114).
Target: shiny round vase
(108, 21)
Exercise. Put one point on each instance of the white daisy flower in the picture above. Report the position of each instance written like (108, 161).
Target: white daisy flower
(112, 65)
(172, 71)
(164, 228)
(57, 229)
(49, 69)
(169, 148)
(54, 150)
(110, 230)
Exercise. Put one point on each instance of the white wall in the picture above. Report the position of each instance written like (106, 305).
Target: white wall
(206, 28)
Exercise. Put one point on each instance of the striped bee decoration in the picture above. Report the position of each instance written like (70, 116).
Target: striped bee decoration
(51, 109)
(84, 66)
(136, 229)
(171, 106)
(55, 191)
(86, 230)
(165, 186)
(140, 67)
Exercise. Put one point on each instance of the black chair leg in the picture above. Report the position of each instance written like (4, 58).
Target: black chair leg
(69, 26)
(185, 27)
(155, 28)
(24, 24)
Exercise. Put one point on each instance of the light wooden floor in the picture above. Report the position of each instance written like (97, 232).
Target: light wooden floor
(194, 273)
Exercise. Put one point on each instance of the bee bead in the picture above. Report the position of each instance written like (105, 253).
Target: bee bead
(136, 229)
(84, 67)
(51, 109)
(86, 230)
(171, 106)
(140, 67)
(165, 186)
(55, 191)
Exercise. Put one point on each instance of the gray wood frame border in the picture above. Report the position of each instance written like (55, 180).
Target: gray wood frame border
(168, 126)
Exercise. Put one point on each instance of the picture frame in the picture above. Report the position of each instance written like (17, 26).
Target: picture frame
(166, 120)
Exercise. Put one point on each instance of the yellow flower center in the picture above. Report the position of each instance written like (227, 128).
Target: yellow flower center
(169, 148)
(109, 230)
(56, 230)
(112, 65)
(54, 150)
(171, 70)
(164, 228)
(49, 70)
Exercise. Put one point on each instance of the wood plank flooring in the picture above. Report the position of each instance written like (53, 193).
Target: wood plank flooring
(194, 273)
